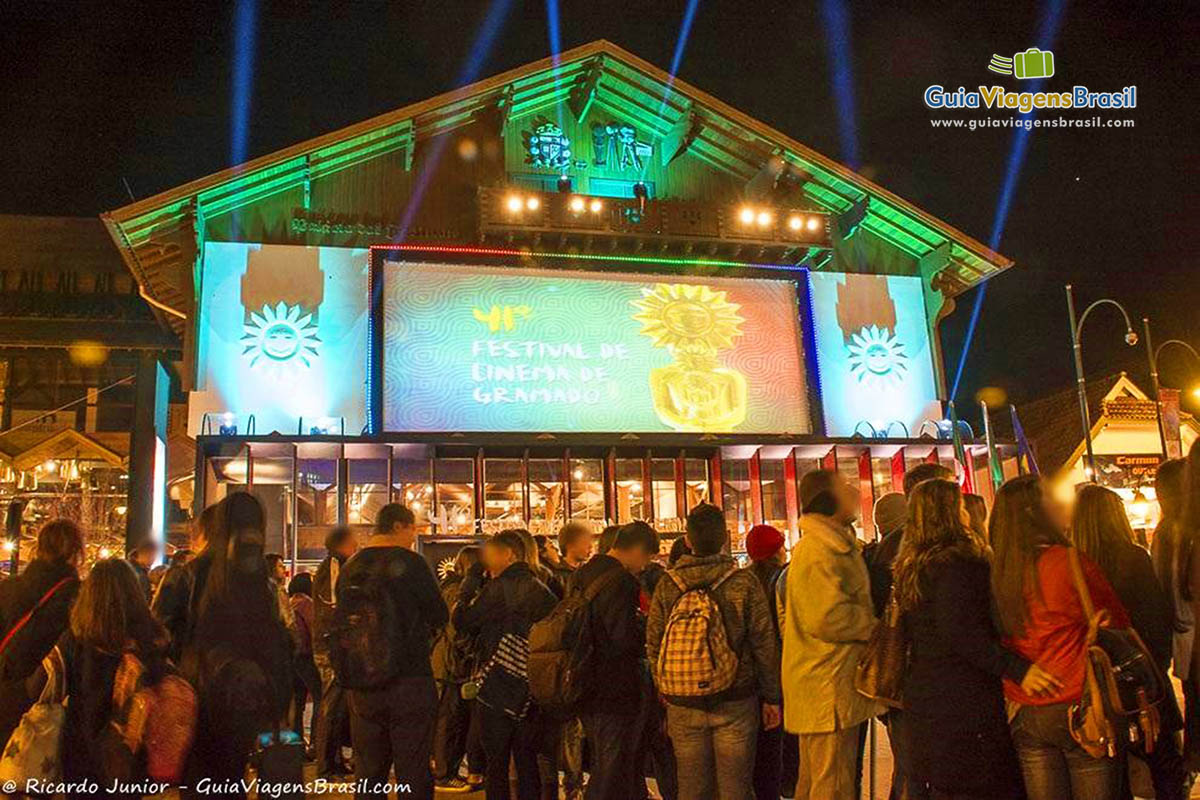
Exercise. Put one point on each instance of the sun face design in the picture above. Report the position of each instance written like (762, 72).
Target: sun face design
(280, 335)
(445, 568)
(877, 357)
(688, 318)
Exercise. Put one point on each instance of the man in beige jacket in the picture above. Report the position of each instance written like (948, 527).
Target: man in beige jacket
(828, 620)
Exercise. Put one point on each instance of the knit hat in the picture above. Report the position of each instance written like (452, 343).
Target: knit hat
(891, 512)
(763, 541)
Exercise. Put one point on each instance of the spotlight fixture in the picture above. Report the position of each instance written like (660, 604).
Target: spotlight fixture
(641, 193)
(564, 184)
(513, 203)
(814, 223)
(532, 203)
(746, 215)
(576, 205)
(228, 426)
(596, 206)
(763, 219)
(795, 222)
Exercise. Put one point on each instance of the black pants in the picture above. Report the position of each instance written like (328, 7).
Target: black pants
(768, 764)
(333, 727)
(505, 738)
(307, 684)
(789, 763)
(453, 737)
(393, 727)
(654, 745)
(1167, 771)
(612, 737)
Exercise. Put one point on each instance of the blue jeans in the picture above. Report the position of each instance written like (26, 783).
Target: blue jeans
(1054, 766)
(714, 749)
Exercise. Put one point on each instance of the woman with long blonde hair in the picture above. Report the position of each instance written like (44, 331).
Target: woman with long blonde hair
(954, 718)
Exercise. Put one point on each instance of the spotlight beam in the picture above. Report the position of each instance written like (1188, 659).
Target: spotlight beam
(835, 18)
(245, 23)
(1047, 33)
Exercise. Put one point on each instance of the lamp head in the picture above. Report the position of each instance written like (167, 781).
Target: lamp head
(1131, 338)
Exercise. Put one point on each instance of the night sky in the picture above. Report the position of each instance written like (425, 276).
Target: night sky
(92, 93)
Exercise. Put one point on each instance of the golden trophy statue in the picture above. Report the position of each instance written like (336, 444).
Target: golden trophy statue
(694, 323)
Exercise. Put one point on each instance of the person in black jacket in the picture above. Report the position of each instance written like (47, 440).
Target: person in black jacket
(392, 726)
(333, 730)
(613, 690)
(1102, 532)
(498, 602)
(52, 579)
(956, 734)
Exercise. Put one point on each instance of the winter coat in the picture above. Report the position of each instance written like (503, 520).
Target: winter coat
(829, 619)
(619, 637)
(302, 636)
(25, 652)
(324, 597)
(488, 608)
(748, 626)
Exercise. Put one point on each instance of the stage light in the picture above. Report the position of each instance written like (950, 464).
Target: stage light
(228, 426)
(596, 206)
(746, 215)
(532, 203)
(577, 205)
(763, 218)
(513, 203)
(814, 223)
(795, 222)
(564, 184)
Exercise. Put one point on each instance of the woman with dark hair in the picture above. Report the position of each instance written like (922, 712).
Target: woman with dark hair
(457, 732)
(958, 739)
(42, 597)
(1102, 532)
(109, 621)
(235, 648)
(1042, 620)
(307, 679)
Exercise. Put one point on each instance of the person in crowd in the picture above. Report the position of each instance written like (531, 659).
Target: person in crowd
(1101, 531)
(1041, 618)
(977, 511)
(547, 553)
(612, 698)
(156, 575)
(333, 725)
(767, 549)
(828, 621)
(502, 597)
(173, 591)
(234, 647)
(575, 542)
(457, 731)
(957, 737)
(891, 512)
(1171, 569)
(42, 597)
(543, 573)
(679, 549)
(278, 572)
(142, 558)
(607, 536)
(109, 621)
(392, 726)
(653, 744)
(715, 735)
(308, 679)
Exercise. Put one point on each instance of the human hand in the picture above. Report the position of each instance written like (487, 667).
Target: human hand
(1040, 683)
(772, 716)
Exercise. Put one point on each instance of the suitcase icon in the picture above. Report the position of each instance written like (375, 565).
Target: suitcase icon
(1033, 63)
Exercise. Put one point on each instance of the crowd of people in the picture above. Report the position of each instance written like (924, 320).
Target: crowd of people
(718, 680)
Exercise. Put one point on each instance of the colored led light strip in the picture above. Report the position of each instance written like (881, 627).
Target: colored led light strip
(505, 252)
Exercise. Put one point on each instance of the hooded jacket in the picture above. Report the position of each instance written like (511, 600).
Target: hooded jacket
(747, 620)
(488, 609)
(828, 621)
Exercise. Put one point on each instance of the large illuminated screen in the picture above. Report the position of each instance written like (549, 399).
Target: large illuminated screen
(479, 348)
(282, 336)
(873, 354)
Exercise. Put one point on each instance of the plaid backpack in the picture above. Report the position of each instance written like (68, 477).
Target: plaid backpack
(695, 659)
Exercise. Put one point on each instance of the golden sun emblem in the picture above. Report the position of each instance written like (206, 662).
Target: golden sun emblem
(688, 317)
(693, 322)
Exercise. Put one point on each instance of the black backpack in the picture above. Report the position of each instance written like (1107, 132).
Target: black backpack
(367, 633)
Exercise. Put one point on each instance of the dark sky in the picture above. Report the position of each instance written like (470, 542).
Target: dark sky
(93, 92)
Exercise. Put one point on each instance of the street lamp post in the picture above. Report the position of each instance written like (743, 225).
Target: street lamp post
(1085, 416)
(1152, 355)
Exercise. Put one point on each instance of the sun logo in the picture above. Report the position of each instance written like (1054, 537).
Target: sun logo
(445, 568)
(280, 335)
(877, 357)
(688, 318)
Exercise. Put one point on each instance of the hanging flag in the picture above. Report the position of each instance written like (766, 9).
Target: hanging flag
(995, 468)
(1023, 448)
(960, 453)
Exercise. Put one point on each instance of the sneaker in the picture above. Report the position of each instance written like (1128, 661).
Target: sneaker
(452, 785)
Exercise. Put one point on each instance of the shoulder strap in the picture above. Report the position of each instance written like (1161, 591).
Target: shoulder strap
(713, 587)
(1085, 597)
(29, 614)
(595, 587)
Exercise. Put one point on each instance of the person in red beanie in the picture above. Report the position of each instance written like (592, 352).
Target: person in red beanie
(767, 549)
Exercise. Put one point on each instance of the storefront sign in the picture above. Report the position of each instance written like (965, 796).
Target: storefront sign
(1127, 471)
(500, 349)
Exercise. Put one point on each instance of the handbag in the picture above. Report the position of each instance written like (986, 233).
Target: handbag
(34, 751)
(1123, 687)
(159, 719)
(881, 669)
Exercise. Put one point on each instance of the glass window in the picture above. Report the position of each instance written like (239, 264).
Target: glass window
(272, 485)
(455, 513)
(736, 488)
(662, 472)
(412, 482)
(547, 496)
(695, 473)
(316, 504)
(774, 490)
(587, 490)
(367, 490)
(503, 493)
(631, 496)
